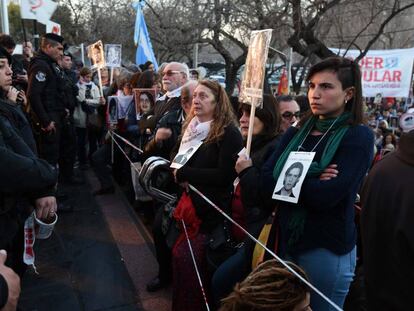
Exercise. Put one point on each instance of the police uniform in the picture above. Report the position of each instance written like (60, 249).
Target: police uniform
(46, 97)
(68, 134)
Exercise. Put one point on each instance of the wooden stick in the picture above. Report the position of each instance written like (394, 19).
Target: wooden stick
(112, 76)
(100, 81)
(251, 125)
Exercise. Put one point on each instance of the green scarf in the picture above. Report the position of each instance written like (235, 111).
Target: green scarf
(297, 220)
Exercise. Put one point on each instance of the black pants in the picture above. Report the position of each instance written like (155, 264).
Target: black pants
(67, 149)
(163, 252)
(49, 144)
(81, 135)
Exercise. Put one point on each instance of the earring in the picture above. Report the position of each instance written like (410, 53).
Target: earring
(346, 101)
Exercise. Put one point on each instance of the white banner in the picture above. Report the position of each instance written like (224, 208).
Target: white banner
(385, 72)
(41, 10)
(52, 27)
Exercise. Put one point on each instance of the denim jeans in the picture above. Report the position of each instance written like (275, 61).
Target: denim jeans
(332, 274)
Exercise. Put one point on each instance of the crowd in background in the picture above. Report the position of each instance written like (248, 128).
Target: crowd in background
(56, 121)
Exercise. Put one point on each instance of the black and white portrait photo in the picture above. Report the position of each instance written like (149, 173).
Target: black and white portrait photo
(113, 109)
(113, 55)
(292, 176)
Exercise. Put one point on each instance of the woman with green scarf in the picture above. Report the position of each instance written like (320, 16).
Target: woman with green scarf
(318, 233)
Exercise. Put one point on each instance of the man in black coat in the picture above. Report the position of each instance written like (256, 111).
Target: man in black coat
(46, 95)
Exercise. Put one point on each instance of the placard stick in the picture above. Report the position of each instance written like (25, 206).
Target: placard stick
(100, 81)
(112, 76)
(251, 123)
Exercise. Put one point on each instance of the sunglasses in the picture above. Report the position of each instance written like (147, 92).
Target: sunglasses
(290, 115)
(169, 73)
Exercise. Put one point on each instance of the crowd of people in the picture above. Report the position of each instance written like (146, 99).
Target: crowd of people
(58, 118)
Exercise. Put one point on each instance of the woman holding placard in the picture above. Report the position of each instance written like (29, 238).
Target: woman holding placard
(210, 129)
(318, 231)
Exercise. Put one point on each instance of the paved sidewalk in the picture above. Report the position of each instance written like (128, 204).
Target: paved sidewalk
(80, 266)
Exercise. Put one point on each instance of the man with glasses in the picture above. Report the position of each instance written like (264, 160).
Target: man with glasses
(289, 110)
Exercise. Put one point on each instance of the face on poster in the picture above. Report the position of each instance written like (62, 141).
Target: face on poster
(113, 109)
(96, 54)
(183, 157)
(291, 178)
(144, 100)
(113, 53)
(255, 67)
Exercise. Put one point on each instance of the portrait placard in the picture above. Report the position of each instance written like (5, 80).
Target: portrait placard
(255, 67)
(96, 54)
(290, 180)
(113, 109)
(144, 100)
(185, 155)
(113, 55)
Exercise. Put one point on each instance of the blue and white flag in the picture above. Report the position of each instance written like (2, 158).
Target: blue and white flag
(142, 39)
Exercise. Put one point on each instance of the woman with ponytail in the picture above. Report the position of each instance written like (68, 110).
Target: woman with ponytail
(318, 232)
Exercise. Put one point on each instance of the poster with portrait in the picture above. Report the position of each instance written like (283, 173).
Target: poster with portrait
(255, 68)
(113, 109)
(184, 155)
(144, 100)
(290, 180)
(96, 54)
(113, 55)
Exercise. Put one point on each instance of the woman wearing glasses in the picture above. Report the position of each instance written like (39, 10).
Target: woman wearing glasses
(318, 233)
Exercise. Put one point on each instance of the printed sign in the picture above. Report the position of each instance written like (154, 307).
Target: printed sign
(385, 72)
(96, 54)
(113, 55)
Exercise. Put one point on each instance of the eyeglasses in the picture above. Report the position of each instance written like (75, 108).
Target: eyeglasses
(169, 73)
(290, 115)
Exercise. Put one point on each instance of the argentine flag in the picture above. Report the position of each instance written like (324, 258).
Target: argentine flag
(142, 39)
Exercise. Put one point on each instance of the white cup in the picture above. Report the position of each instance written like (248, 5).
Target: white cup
(44, 230)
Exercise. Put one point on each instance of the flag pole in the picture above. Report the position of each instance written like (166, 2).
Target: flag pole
(5, 17)
(35, 35)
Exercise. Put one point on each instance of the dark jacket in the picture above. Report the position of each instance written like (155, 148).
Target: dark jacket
(24, 177)
(387, 199)
(46, 89)
(211, 170)
(256, 210)
(161, 108)
(172, 120)
(329, 205)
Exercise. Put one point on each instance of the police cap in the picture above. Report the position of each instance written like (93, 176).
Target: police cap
(53, 37)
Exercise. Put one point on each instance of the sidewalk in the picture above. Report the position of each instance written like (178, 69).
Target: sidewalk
(98, 258)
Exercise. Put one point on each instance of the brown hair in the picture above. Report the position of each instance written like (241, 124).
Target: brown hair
(270, 287)
(223, 113)
(85, 71)
(349, 74)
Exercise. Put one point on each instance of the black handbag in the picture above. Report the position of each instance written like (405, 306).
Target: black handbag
(220, 246)
(169, 225)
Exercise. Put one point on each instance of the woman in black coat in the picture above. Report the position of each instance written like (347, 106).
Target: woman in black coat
(248, 209)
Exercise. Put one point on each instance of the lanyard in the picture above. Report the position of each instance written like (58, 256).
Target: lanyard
(323, 136)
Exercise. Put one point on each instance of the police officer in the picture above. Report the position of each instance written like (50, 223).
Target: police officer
(68, 135)
(46, 95)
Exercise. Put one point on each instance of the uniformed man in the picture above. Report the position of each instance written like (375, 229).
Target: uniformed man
(68, 135)
(46, 95)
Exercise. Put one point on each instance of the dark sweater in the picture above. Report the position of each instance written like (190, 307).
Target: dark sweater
(329, 204)
(211, 170)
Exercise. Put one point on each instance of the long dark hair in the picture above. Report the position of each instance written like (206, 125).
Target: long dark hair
(268, 114)
(349, 74)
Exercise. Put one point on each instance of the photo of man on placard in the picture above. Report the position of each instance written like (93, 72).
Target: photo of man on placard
(113, 109)
(292, 176)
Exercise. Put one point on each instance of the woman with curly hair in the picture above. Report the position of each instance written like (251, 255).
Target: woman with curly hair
(270, 287)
